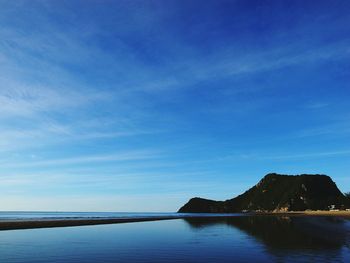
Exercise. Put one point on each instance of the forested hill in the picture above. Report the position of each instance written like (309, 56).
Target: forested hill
(276, 192)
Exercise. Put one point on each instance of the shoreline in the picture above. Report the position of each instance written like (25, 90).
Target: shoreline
(340, 213)
(51, 223)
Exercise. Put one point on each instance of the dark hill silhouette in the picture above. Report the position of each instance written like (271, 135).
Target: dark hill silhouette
(276, 192)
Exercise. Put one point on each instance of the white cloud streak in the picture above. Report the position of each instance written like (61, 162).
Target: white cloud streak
(117, 157)
(283, 156)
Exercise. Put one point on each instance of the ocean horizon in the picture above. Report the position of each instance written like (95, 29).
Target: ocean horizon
(60, 215)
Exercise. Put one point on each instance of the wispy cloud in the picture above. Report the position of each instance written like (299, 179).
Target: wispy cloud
(283, 156)
(117, 157)
(29, 101)
(230, 63)
(307, 155)
(317, 105)
(89, 90)
(336, 129)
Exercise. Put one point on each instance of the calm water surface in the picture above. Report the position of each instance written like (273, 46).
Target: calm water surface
(27, 215)
(235, 239)
(34, 215)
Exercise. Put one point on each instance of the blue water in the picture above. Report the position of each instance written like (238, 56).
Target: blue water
(29, 215)
(234, 239)
(18, 215)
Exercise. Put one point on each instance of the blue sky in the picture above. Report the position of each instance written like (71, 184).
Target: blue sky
(141, 105)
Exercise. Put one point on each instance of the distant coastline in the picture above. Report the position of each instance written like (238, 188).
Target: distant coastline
(340, 213)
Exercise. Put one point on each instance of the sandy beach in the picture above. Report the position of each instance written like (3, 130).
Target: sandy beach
(305, 213)
(327, 213)
(46, 223)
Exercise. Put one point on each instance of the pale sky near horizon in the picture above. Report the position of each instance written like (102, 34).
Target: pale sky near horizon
(141, 105)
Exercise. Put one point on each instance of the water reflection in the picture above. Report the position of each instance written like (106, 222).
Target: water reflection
(237, 239)
(287, 233)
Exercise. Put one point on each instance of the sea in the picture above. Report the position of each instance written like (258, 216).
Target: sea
(233, 238)
(35, 215)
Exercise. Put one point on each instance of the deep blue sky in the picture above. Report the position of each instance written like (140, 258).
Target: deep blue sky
(140, 105)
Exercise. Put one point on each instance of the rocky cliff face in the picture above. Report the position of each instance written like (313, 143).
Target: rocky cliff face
(277, 192)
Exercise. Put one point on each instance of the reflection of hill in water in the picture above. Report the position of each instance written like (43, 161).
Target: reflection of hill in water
(296, 233)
